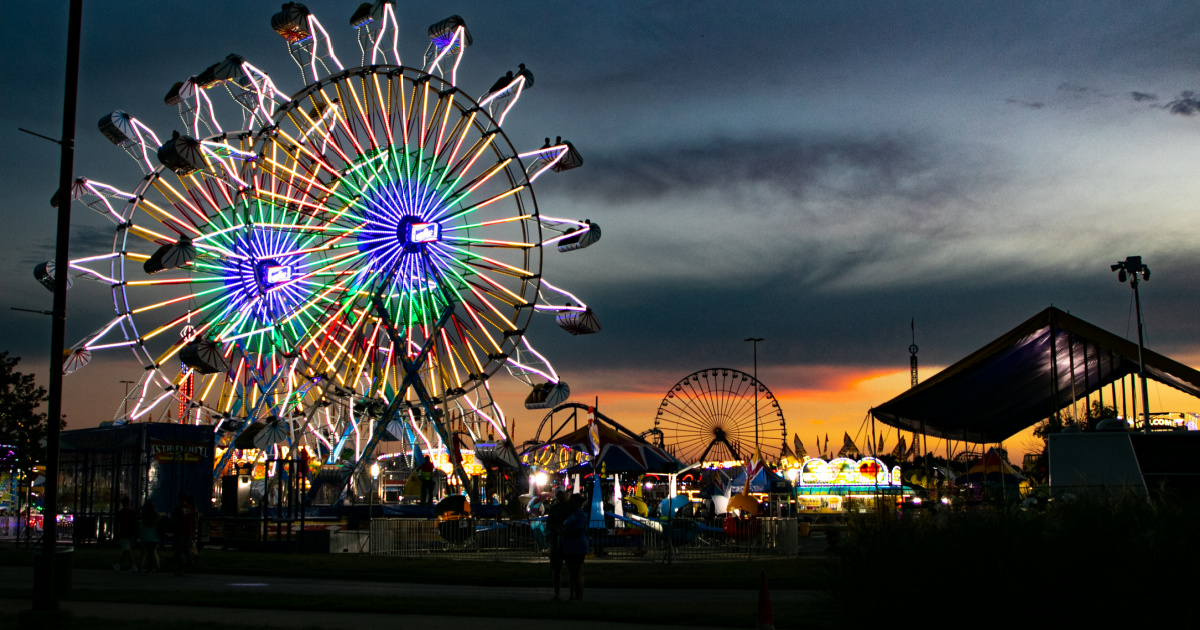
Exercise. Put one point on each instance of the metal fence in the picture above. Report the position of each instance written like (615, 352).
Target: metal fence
(525, 541)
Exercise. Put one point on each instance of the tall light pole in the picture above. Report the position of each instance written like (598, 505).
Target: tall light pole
(754, 341)
(46, 599)
(1130, 269)
(126, 401)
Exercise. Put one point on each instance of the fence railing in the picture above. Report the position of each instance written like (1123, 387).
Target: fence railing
(665, 541)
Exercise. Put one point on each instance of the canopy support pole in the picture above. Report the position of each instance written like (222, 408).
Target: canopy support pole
(1087, 386)
(1124, 406)
(1055, 421)
(1071, 363)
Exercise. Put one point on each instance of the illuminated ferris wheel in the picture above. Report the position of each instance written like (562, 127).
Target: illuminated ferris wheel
(351, 265)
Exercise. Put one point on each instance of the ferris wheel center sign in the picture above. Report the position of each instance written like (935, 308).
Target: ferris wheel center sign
(424, 232)
(277, 274)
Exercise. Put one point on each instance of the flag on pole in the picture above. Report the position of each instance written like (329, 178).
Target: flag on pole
(597, 517)
(801, 454)
(914, 450)
(752, 468)
(848, 447)
(879, 445)
(593, 431)
(618, 509)
(900, 449)
(786, 456)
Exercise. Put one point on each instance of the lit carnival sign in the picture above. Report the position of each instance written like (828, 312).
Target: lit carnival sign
(555, 457)
(442, 461)
(844, 471)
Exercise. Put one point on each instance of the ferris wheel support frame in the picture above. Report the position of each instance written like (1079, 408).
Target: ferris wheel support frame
(411, 379)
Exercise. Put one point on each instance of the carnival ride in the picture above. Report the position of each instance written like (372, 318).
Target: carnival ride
(574, 435)
(347, 264)
(710, 415)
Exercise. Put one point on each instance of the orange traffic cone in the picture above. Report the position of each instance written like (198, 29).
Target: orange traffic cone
(766, 618)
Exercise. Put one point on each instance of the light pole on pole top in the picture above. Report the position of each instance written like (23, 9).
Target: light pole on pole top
(1129, 269)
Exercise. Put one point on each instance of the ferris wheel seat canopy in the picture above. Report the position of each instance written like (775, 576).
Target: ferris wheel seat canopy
(569, 161)
(44, 273)
(203, 356)
(75, 359)
(579, 322)
(228, 69)
(580, 238)
(368, 12)
(117, 128)
(229, 425)
(274, 431)
(78, 189)
(445, 29)
(548, 395)
(361, 15)
(291, 23)
(181, 154)
(179, 91)
(178, 255)
(154, 263)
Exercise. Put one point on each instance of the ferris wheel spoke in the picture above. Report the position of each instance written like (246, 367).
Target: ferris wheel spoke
(700, 404)
(687, 410)
(690, 417)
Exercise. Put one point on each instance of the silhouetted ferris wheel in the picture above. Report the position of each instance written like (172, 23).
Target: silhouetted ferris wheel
(710, 416)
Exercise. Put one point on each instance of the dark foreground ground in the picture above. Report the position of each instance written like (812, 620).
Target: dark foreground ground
(240, 589)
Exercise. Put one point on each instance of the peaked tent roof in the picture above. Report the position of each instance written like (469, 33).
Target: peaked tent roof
(1009, 385)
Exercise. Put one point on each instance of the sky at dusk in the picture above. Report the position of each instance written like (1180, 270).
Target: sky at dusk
(813, 173)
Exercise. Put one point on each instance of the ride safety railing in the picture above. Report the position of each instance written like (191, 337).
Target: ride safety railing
(674, 540)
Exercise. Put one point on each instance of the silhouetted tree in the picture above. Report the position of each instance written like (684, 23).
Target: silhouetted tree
(21, 424)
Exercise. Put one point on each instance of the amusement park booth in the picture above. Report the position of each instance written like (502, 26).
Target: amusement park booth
(841, 484)
(153, 460)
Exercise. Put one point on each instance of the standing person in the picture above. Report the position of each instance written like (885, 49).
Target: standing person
(127, 531)
(425, 474)
(151, 533)
(184, 520)
(575, 545)
(554, 523)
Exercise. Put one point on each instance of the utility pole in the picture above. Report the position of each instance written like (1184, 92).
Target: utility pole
(46, 590)
(912, 352)
(125, 402)
(754, 341)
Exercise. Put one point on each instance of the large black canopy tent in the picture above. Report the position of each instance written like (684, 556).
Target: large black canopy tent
(1012, 383)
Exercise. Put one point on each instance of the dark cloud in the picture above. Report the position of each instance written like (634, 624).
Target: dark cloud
(1028, 104)
(86, 240)
(794, 166)
(1186, 104)
(1142, 97)
(1074, 89)
(672, 326)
